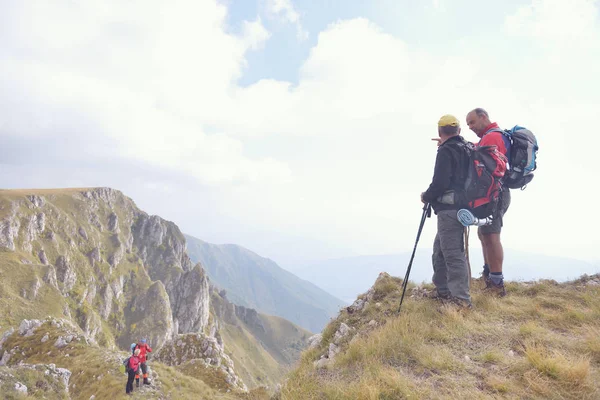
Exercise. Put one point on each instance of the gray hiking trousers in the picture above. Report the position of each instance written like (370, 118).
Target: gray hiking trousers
(450, 271)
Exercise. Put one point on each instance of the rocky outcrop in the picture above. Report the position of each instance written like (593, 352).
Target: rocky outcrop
(42, 256)
(251, 318)
(9, 231)
(37, 201)
(13, 354)
(33, 227)
(197, 346)
(28, 327)
(160, 245)
(35, 287)
(315, 341)
(115, 258)
(90, 293)
(48, 378)
(113, 223)
(65, 273)
(5, 336)
(158, 327)
(107, 302)
(94, 256)
(50, 277)
(102, 195)
(222, 308)
(190, 301)
(90, 323)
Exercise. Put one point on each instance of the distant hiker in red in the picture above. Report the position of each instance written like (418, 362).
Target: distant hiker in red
(132, 370)
(143, 347)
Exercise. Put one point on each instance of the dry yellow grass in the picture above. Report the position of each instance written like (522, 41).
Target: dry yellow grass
(541, 341)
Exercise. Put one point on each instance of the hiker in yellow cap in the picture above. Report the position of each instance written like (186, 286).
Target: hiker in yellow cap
(448, 120)
(450, 271)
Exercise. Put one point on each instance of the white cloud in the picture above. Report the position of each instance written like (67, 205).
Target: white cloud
(344, 153)
(147, 76)
(255, 34)
(371, 101)
(559, 21)
(285, 11)
(439, 5)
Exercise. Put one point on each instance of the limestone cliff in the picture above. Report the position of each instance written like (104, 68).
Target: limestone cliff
(118, 272)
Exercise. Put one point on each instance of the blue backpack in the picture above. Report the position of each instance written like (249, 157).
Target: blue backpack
(522, 160)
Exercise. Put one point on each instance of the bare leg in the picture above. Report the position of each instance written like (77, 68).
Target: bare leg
(493, 251)
(483, 247)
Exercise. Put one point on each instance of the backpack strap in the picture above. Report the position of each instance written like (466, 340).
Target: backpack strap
(505, 132)
(507, 138)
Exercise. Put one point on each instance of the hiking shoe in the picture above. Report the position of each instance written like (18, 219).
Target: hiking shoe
(460, 303)
(436, 295)
(485, 274)
(495, 289)
(486, 281)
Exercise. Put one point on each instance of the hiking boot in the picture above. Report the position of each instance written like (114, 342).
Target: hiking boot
(436, 295)
(485, 274)
(137, 383)
(146, 382)
(460, 303)
(495, 289)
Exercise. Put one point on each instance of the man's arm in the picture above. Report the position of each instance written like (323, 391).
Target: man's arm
(441, 176)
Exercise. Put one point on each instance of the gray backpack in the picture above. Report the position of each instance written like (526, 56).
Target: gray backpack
(126, 364)
(522, 157)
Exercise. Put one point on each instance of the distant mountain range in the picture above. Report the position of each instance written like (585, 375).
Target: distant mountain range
(257, 282)
(348, 277)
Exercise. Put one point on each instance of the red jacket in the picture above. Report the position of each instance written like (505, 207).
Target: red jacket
(494, 139)
(134, 363)
(144, 348)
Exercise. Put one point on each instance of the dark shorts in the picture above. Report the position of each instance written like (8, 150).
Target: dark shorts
(496, 226)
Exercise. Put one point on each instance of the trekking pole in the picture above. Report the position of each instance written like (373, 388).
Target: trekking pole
(467, 233)
(426, 213)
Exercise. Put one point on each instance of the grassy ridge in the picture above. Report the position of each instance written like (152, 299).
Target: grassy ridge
(542, 341)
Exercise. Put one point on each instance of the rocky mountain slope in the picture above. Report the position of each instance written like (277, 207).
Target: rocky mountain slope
(93, 261)
(257, 282)
(541, 341)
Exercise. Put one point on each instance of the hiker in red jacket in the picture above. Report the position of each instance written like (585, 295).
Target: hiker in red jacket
(132, 370)
(493, 253)
(143, 347)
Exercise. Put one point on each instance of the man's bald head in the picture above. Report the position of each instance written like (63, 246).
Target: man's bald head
(477, 120)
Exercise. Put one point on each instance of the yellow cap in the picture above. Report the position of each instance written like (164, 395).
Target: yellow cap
(448, 120)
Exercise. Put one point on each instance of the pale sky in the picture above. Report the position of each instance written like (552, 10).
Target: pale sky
(300, 129)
